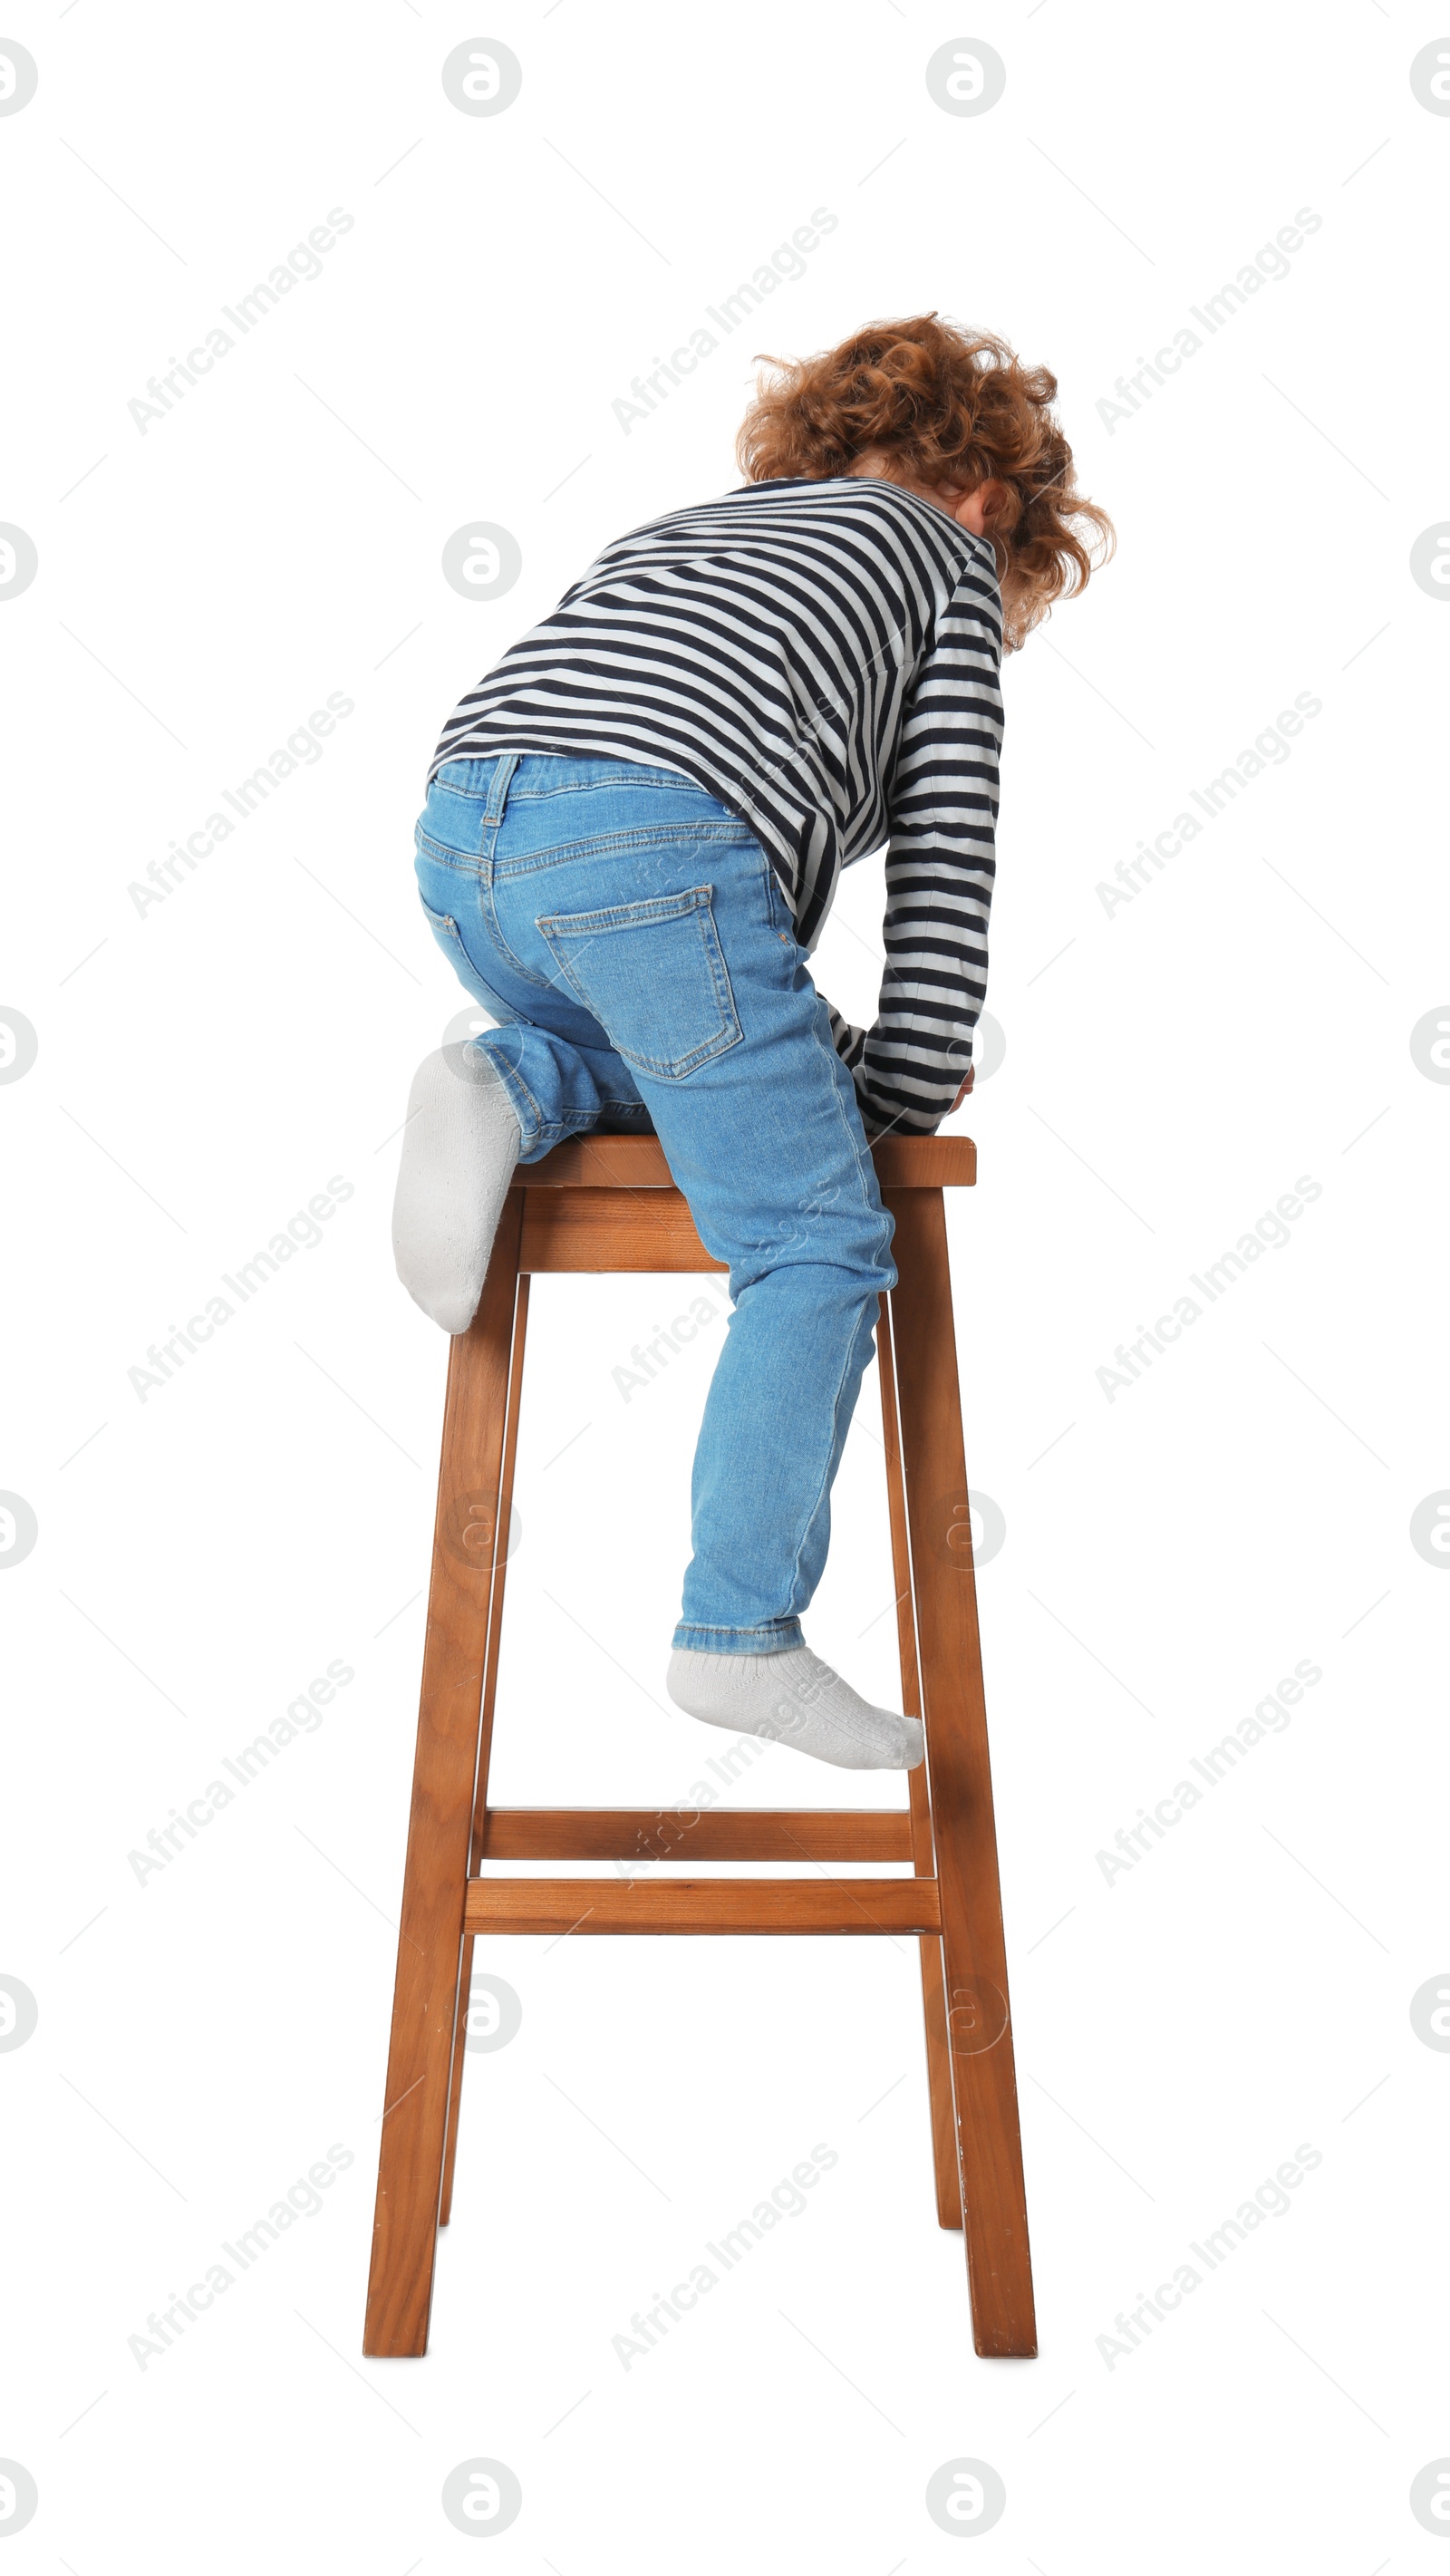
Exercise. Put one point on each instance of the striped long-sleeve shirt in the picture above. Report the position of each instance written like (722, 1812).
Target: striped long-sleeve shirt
(823, 657)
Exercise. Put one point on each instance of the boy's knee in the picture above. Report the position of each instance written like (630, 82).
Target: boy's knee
(865, 1250)
(876, 1262)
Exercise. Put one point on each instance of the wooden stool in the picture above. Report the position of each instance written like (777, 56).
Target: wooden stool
(606, 1203)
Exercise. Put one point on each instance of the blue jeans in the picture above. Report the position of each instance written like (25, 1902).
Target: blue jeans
(629, 936)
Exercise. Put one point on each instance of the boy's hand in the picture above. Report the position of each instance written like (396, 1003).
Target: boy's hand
(873, 1131)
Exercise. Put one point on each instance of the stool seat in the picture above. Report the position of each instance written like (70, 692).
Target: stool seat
(623, 1211)
(638, 1163)
(605, 1204)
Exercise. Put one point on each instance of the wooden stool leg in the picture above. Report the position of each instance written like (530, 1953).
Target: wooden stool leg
(933, 1992)
(485, 1732)
(425, 1998)
(974, 1957)
(455, 2076)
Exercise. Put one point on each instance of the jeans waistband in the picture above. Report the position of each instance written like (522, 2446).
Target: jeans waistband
(544, 773)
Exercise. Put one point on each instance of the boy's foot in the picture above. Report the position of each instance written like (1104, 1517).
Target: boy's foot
(793, 1698)
(460, 1146)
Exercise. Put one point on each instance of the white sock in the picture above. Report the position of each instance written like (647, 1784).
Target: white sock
(460, 1146)
(793, 1698)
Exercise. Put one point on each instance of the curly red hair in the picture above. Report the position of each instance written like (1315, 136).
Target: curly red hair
(949, 408)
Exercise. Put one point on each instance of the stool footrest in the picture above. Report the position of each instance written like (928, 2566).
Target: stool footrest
(560, 1905)
(688, 1833)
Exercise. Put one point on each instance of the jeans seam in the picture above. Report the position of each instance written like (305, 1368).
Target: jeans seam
(445, 921)
(653, 836)
(719, 1628)
(824, 1486)
(858, 1158)
(617, 773)
(608, 917)
(513, 1080)
(486, 884)
(445, 854)
(585, 787)
(693, 1626)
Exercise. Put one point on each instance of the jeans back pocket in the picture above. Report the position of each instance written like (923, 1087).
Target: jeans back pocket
(653, 975)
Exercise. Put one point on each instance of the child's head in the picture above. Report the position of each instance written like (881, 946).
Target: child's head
(952, 413)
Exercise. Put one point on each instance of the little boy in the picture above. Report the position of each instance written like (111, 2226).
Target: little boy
(634, 830)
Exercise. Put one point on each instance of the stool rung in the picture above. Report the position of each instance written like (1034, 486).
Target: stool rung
(730, 1833)
(562, 1905)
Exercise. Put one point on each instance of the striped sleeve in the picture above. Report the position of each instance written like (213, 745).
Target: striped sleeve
(942, 805)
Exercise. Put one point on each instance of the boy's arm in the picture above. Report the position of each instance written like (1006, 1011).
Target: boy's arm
(908, 1068)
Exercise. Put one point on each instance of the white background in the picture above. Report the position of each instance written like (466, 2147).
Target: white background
(207, 1065)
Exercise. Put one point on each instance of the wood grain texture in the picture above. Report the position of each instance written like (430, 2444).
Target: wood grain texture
(945, 2167)
(721, 1833)
(638, 1163)
(609, 1229)
(410, 2165)
(592, 1905)
(608, 1202)
(979, 2028)
(485, 1723)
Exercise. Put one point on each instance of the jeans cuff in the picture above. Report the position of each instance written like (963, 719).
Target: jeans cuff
(536, 1139)
(540, 1134)
(776, 1638)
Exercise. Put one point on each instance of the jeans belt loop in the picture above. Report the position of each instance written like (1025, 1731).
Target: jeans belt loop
(504, 768)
